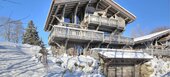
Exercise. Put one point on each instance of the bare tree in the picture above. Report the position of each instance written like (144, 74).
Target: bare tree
(18, 32)
(137, 32)
(158, 29)
(11, 30)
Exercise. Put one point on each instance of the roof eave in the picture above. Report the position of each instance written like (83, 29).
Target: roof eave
(48, 17)
(123, 10)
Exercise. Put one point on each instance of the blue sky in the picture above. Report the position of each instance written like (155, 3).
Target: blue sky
(150, 13)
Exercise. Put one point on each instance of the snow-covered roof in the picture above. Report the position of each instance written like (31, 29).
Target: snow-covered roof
(121, 53)
(151, 36)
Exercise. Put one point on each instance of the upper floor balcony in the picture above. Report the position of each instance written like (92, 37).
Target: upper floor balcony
(158, 52)
(104, 22)
(75, 34)
(116, 39)
(62, 32)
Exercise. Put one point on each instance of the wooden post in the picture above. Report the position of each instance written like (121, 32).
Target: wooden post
(111, 36)
(86, 7)
(66, 42)
(134, 71)
(75, 13)
(121, 71)
(98, 4)
(63, 12)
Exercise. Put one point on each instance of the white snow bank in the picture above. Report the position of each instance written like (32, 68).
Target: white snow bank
(79, 66)
(18, 60)
(161, 67)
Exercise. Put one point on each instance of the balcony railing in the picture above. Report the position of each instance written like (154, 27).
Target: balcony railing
(64, 1)
(118, 39)
(82, 34)
(73, 25)
(158, 52)
(75, 33)
(92, 19)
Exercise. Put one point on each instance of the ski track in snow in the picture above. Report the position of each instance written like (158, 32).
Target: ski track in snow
(21, 61)
(17, 63)
(14, 61)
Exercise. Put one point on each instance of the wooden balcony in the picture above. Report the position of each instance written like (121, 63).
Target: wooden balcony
(158, 52)
(69, 1)
(115, 39)
(62, 32)
(104, 21)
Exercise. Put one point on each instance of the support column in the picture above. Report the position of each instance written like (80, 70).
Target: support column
(111, 36)
(98, 4)
(133, 71)
(87, 46)
(67, 39)
(66, 42)
(63, 12)
(85, 9)
(75, 13)
(83, 25)
(121, 71)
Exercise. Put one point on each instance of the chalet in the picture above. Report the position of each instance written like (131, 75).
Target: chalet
(94, 27)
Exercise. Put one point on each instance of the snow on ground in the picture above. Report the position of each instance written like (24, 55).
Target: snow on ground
(122, 53)
(77, 66)
(17, 60)
(161, 67)
(157, 67)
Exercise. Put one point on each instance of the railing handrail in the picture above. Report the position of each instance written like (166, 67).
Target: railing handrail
(96, 35)
(157, 51)
(101, 17)
(79, 29)
(109, 21)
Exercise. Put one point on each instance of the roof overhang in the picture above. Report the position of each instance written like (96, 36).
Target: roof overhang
(152, 36)
(115, 8)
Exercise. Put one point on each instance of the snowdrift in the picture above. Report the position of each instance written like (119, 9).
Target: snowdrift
(18, 60)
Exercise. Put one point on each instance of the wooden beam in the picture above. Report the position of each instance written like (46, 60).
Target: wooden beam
(57, 18)
(57, 44)
(56, 11)
(86, 7)
(54, 14)
(66, 42)
(126, 18)
(63, 12)
(116, 13)
(107, 8)
(98, 4)
(75, 13)
(50, 25)
(88, 44)
(111, 37)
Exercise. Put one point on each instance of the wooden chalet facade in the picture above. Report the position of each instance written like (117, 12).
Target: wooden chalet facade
(77, 26)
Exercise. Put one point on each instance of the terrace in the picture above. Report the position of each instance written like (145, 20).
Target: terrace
(62, 32)
(104, 22)
(158, 52)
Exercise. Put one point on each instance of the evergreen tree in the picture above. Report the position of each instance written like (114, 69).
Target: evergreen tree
(31, 35)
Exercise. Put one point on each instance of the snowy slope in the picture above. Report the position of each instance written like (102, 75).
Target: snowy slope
(21, 61)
